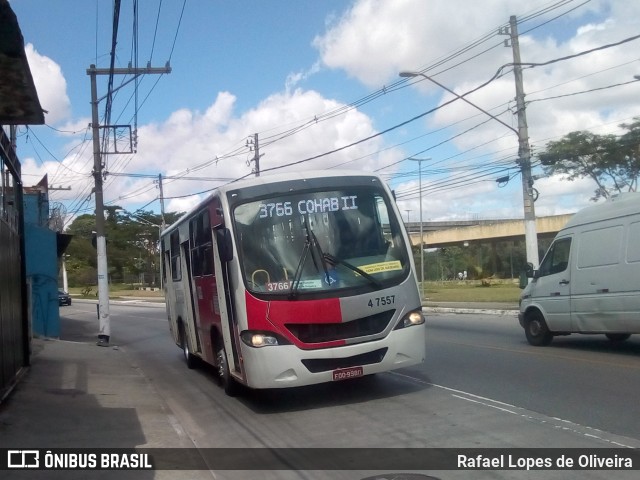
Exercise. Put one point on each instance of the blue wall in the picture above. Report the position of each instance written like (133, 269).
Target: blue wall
(42, 270)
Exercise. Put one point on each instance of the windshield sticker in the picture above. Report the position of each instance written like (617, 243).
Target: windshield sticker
(304, 284)
(381, 267)
(286, 286)
(304, 207)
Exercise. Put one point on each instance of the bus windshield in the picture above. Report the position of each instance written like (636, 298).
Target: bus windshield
(315, 241)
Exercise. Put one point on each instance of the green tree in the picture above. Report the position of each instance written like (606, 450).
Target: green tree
(133, 247)
(612, 162)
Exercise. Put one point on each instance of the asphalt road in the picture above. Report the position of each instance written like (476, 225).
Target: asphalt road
(481, 386)
(585, 379)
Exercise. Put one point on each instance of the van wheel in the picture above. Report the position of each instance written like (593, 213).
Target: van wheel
(536, 330)
(226, 381)
(618, 337)
(184, 345)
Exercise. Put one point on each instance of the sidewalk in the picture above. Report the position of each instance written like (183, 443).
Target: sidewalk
(78, 395)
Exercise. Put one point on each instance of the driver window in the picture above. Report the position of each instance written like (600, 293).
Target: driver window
(557, 258)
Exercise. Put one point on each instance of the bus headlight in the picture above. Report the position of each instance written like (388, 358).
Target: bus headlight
(258, 339)
(412, 318)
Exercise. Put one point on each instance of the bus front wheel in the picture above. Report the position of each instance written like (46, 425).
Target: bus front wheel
(225, 379)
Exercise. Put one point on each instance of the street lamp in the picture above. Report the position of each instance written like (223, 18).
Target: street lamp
(524, 153)
(420, 160)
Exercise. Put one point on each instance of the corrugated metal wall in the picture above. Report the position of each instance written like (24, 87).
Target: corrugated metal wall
(14, 342)
(11, 329)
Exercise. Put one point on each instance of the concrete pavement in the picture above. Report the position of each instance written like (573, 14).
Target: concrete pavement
(78, 395)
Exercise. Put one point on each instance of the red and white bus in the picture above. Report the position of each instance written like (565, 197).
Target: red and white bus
(292, 280)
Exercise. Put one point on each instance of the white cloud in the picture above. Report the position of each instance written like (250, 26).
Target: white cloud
(372, 42)
(375, 39)
(206, 145)
(50, 85)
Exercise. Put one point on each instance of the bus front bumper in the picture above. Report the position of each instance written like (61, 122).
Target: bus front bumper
(283, 366)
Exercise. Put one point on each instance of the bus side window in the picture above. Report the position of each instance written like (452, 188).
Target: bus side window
(201, 245)
(176, 272)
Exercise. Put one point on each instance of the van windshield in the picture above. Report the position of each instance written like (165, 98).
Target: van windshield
(312, 242)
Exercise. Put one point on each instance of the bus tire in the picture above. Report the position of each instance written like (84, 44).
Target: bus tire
(184, 345)
(618, 337)
(536, 330)
(225, 379)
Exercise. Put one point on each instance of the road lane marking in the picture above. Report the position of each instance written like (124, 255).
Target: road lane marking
(613, 440)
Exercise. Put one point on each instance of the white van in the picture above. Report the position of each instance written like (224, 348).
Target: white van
(589, 279)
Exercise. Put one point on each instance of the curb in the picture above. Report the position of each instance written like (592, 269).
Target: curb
(471, 311)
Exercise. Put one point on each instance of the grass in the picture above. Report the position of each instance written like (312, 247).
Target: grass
(500, 291)
(117, 291)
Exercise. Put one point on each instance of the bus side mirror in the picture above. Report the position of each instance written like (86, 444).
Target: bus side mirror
(225, 244)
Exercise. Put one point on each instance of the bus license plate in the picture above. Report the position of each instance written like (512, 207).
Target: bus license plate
(347, 373)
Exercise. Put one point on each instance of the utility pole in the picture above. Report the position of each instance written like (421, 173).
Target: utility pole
(524, 152)
(101, 244)
(163, 224)
(256, 153)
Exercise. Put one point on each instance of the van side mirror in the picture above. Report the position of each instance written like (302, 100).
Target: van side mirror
(523, 280)
(225, 244)
(528, 273)
(529, 270)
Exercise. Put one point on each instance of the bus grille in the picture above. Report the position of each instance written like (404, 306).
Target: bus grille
(316, 365)
(327, 332)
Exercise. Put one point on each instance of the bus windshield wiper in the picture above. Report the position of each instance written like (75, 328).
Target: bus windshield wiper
(310, 241)
(323, 259)
(295, 282)
(335, 261)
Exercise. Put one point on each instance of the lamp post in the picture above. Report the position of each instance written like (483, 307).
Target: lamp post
(420, 160)
(65, 281)
(524, 160)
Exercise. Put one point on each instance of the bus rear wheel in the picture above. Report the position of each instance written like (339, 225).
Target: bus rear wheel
(184, 344)
(536, 330)
(225, 379)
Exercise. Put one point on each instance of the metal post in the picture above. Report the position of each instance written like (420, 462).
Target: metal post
(160, 256)
(420, 160)
(65, 281)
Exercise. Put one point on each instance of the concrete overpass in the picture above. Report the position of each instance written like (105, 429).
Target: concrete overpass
(443, 234)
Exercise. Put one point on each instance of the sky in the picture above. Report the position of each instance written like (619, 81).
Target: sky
(318, 82)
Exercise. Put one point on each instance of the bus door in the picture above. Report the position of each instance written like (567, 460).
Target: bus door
(229, 320)
(191, 327)
(204, 282)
